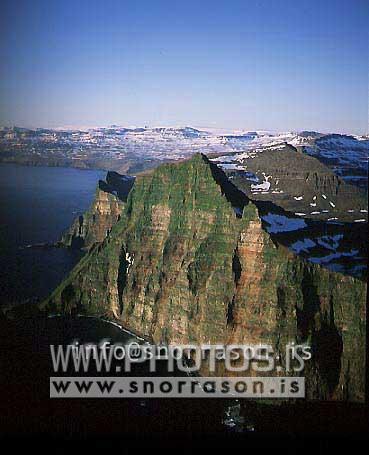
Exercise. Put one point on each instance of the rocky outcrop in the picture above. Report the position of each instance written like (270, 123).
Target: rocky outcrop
(94, 225)
(189, 261)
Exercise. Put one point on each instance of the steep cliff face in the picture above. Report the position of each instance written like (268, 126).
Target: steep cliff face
(94, 225)
(189, 262)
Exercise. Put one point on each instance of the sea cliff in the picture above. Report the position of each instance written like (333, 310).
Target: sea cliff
(189, 261)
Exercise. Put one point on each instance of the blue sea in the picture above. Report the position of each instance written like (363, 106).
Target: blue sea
(36, 205)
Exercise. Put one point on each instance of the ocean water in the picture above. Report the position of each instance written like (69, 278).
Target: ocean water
(36, 205)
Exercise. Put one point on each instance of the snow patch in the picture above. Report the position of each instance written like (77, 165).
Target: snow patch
(302, 245)
(281, 223)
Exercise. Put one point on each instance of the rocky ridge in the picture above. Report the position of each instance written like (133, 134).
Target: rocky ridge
(297, 182)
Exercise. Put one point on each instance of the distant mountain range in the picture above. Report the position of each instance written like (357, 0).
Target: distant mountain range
(131, 150)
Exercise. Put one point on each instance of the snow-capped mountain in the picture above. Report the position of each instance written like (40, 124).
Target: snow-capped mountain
(130, 149)
(346, 155)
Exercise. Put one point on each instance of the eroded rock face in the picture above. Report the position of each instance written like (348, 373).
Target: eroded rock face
(182, 265)
(95, 225)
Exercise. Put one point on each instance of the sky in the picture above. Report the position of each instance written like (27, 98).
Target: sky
(242, 64)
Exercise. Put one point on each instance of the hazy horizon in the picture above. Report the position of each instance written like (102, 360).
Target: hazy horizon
(238, 65)
(209, 129)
